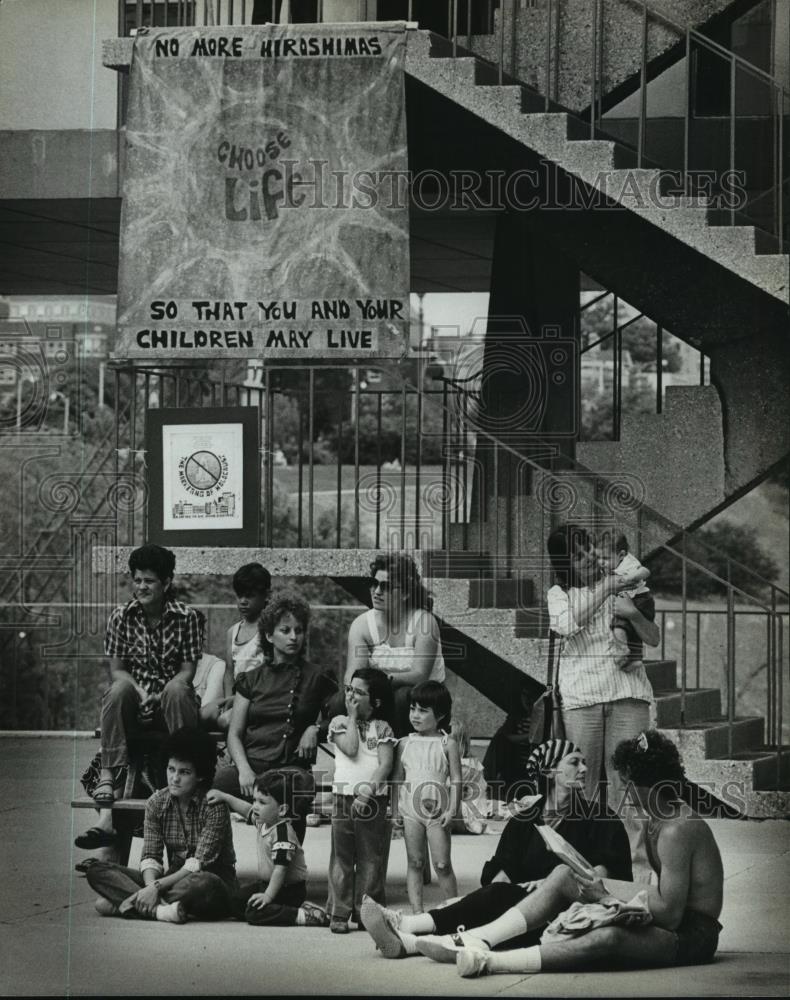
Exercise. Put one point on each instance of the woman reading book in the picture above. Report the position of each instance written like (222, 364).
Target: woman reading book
(522, 861)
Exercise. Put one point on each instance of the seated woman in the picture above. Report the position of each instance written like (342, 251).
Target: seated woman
(521, 861)
(276, 707)
(398, 635)
(196, 835)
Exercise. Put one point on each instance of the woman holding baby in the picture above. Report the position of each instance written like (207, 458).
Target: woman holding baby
(605, 695)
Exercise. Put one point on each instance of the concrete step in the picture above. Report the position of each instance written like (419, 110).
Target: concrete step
(518, 592)
(701, 704)
(710, 740)
(770, 771)
(445, 563)
(662, 674)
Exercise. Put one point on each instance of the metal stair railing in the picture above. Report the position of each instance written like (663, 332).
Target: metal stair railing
(676, 548)
(616, 333)
(134, 14)
(777, 105)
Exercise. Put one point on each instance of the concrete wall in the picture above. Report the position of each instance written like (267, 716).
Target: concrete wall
(51, 75)
(652, 444)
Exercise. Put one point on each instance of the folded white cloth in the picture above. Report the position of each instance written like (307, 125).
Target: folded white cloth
(582, 917)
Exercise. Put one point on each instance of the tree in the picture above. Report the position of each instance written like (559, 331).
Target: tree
(639, 337)
(712, 547)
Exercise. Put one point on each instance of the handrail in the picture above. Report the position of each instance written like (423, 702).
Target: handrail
(577, 467)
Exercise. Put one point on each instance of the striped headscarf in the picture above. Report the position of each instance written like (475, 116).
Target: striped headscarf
(546, 756)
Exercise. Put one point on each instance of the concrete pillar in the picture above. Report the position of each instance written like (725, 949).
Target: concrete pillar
(529, 393)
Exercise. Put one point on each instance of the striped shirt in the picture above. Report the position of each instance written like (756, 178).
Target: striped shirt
(588, 674)
(153, 656)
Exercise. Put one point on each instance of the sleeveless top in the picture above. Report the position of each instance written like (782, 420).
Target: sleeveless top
(393, 660)
(246, 655)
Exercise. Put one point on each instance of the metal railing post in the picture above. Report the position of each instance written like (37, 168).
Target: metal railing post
(687, 118)
(640, 154)
(730, 666)
(683, 629)
(732, 131)
(593, 65)
(659, 369)
(310, 456)
(501, 41)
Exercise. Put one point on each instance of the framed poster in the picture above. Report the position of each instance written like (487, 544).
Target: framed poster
(203, 476)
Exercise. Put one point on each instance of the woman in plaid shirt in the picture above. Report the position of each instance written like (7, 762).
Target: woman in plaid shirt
(198, 839)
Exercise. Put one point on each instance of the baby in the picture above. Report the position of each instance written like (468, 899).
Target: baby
(614, 557)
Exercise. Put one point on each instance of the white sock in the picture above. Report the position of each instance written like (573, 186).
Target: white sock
(409, 942)
(301, 918)
(517, 960)
(169, 913)
(509, 925)
(417, 923)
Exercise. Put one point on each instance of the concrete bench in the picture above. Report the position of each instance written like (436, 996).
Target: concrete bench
(128, 811)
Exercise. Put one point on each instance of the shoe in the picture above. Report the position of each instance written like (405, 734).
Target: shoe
(471, 962)
(314, 915)
(95, 837)
(171, 913)
(83, 866)
(444, 947)
(377, 923)
(338, 925)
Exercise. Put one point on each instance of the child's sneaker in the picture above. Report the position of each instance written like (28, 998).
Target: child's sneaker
(337, 925)
(471, 962)
(171, 913)
(314, 915)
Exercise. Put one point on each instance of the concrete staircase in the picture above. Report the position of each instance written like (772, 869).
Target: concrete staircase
(726, 760)
(570, 62)
(604, 167)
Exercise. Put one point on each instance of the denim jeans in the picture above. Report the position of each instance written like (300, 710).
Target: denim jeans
(203, 895)
(178, 707)
(280, 913)
(597, 729)
(358, 856)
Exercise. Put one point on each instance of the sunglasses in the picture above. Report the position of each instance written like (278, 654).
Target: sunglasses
(383, 585)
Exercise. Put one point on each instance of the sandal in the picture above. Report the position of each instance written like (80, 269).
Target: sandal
(95, 837)
(83, 866)
(104, 793)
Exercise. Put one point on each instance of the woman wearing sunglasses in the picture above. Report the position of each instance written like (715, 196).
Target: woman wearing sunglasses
(399, 635)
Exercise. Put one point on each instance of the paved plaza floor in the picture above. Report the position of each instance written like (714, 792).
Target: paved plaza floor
(52, 942)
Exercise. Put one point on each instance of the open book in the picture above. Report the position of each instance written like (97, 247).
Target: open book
(567, 853)
(558, 845)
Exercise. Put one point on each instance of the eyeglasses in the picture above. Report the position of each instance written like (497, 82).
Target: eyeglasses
(357, 691)
(383, 585)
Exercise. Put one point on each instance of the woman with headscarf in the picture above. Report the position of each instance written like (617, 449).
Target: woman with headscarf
(555, 771)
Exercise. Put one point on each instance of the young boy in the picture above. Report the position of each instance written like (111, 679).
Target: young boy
(245, 649)
(279, 897)
(614, 557)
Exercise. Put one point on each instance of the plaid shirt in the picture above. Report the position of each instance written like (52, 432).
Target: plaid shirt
(153, 656)
(202, 841)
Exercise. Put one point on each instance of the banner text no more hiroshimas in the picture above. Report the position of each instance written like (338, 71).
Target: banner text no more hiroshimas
(229, 247)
